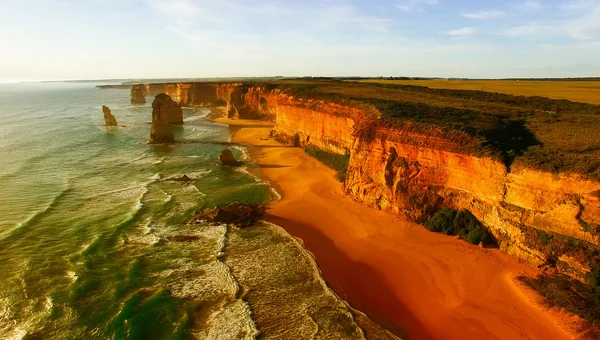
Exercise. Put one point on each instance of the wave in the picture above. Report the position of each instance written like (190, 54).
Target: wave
(286, 289)
(33, 218)
(244, 151)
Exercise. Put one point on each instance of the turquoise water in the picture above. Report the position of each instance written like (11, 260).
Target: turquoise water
(95, 240)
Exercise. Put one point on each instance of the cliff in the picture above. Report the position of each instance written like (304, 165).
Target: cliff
(413, 169)
(162, 109)
(109, 119)
(138, 94)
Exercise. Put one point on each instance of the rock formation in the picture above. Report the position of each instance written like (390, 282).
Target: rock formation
(239, 214)
(138, 94)
(536, 216)
(226, 158)
(109, 119)
(160, 131)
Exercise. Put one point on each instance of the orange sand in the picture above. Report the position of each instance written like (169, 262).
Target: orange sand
(397, 272)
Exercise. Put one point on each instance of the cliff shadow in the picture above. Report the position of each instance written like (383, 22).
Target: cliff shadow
(355, 282)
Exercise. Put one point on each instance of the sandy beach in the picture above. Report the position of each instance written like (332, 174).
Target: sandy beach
(415, 283)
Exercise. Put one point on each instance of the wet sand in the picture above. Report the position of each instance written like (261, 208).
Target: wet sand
(402, 276)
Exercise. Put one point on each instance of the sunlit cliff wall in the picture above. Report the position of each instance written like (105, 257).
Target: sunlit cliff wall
(537, 217)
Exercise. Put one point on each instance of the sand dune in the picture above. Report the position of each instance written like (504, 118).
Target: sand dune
(406, 278)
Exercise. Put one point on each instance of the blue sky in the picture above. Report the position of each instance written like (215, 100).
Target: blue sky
(95, 39)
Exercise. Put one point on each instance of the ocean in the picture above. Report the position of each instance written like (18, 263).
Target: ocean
(95, 239)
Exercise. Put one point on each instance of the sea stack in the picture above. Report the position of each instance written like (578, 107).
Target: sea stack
(138, 94)
(226, 158)
(109, 119)
(160, 131)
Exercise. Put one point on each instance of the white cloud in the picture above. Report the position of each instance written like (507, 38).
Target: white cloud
(532, 30)
(414, 5)
(484, 15)
(532, 5)
(585, 27)
(578, 5)
(461, 31)
(183, 8)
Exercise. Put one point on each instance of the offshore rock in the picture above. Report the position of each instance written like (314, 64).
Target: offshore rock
(226, 158)
(160, 131)
(239, 214)
(138, 94)
(109, 119)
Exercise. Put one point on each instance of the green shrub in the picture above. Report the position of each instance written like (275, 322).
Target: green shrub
(334, 161)
(476, 236)
(442, 220)
(573, 296)
(463, 223)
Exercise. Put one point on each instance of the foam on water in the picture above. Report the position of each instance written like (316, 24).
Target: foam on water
(104, 247)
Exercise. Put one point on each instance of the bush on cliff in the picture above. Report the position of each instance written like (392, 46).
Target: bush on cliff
(581, 299)
(463, 223)
(336, 162)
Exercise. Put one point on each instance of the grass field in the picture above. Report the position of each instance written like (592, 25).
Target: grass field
(578, 91)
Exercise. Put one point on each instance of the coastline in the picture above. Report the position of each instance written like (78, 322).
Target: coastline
(402, 276)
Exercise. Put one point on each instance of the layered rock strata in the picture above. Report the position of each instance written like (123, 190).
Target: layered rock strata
(109, 119)
(537, 217)
(138, 94)
(161, 131)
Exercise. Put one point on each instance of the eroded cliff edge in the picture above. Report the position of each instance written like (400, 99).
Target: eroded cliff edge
(485, 158)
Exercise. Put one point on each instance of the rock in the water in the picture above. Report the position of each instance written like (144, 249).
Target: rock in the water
(138, 94)
(109, 119)
(160, 131)
(240, 214)
(183, 178)
(226, 158)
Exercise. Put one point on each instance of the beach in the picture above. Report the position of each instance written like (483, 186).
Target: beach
(416, 283)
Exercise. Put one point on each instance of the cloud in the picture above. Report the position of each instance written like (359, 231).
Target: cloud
(414, 5)
(484, 15)
(578, 5)
(532, 30)
(184, 8)
(461, 31)
(585, 27)
(532, 5)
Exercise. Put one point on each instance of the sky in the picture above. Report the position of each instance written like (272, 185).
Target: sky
(104, 39)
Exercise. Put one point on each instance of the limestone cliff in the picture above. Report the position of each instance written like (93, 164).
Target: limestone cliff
(109, 119)
(138, 94)
(537, 217)
(161, 131)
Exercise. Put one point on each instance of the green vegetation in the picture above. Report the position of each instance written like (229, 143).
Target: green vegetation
(463, 223)
(337, 162)
(582, 299)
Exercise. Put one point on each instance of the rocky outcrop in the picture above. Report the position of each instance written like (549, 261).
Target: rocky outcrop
(239, 214)
(242, 101)
(161, 131)
(537, 217)
(138, 94)
(109, 119)
(226, 157)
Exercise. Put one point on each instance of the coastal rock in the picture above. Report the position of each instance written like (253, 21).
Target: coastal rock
(109, 119)
(161, 131)
(183, 178)
(239, 214)
(529, 212)
(226, 158)
(138, 94)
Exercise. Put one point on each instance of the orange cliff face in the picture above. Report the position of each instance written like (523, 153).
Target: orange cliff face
(517, 207)
(536, 217)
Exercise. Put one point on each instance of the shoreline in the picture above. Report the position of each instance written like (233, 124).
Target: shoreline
(402, 276)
